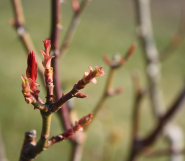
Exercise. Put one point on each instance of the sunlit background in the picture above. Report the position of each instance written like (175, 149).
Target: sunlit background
(106, 27)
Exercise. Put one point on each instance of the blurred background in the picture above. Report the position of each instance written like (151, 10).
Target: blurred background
(106, 27)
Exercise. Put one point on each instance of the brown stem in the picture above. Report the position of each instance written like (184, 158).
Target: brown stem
(18, 12)
(153, 72)
(70, 132)
(162, 152)
(175, 41)
(135, 141)
(65, 98)
(114, 64)
(72, 28)
(139, 145)
(164, 119)
(55, 32)
(55, 24)
(77, 150)
(63, 49)
(139, 94)
(18, 23)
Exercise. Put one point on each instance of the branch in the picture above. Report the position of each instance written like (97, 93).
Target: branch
(151, 54)
(70, 132)
(31, 150)
(42, 144)
(165, 118)
(175, 41)
(143, 19)
(28, 146)
(72, 27)
(114, 64)
(76, 155)
(55, 32)
(139, 94)
(87, 78)
(139, 144)
(162, 152)
(18, 22)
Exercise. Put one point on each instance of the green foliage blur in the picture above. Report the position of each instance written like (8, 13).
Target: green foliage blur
(106, 27)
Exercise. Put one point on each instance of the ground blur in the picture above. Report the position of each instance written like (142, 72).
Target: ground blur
(106, 27)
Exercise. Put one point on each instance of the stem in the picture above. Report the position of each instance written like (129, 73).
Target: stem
(143, 17)
(55, 32)
(72, 27)
(113, 67)
(171, 112)
(139, 94)
(77, 151)
(28, 154)
(175, 41)
(49, 85)
(55, 24)
(18, 12)
(139, 144)
(18, 23)
(163, 152)
(101, 102)
(42, 143)
(150, 54)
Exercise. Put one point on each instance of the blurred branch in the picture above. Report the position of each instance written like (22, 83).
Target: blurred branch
(114, 64)
(140, 144)
(31, 149)
(176, 39)
(151, 54)
(63, 112)
(18, 22)
(54, 35)
(161, 152)
(78, 147)
(143, 19)
(165, 118)
(72, 27)
(139, 94)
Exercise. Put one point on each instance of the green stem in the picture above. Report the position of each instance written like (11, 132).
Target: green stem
(42, 143)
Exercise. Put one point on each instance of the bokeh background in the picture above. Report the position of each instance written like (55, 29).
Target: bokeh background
(106, 27)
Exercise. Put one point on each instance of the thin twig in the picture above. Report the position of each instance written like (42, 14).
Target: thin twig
(153, 72)
(114, 64)
(161, 152)
(139, 94)
(72, 27)
(176, 39)
(165, 118)
(77, 150)
(18, 23)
